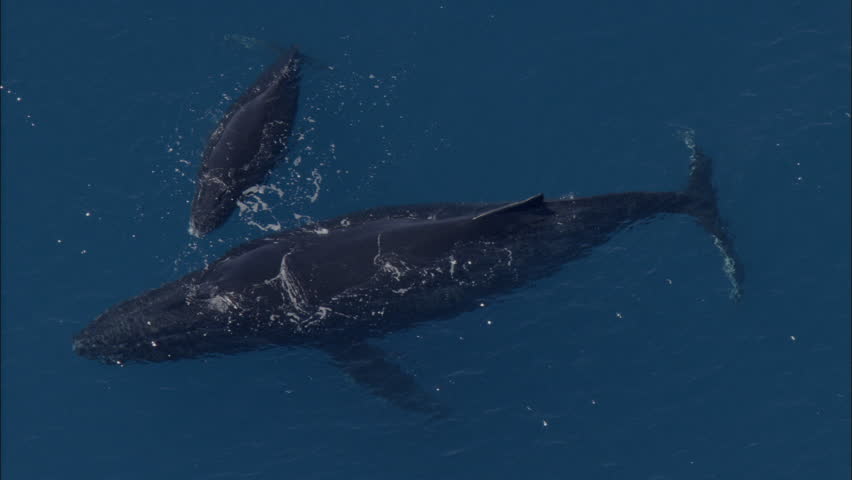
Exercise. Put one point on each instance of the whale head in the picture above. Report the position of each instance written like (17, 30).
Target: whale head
(178, 320)
(213, 203)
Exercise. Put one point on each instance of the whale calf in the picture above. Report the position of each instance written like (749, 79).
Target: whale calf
(335, 284)
(246, 143)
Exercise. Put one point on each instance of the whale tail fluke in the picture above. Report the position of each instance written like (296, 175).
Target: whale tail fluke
(704, 207)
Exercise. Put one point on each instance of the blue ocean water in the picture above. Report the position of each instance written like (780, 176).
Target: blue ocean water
(631, 363)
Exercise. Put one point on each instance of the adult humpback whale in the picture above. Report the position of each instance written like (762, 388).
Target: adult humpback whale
(246, 143)
(334, 284)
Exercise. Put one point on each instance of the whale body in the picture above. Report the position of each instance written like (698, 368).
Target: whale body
(335, 284)
(246, 143)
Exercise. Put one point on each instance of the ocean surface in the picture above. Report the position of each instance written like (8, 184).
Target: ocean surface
(631, 363)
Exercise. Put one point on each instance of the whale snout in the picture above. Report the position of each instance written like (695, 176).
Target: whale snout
(213, 204)
(93, 349)
(85, 347)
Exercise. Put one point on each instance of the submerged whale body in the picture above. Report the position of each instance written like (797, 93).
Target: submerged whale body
(246, 143)
(337, 283)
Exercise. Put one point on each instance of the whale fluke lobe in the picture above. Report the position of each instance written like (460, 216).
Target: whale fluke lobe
(704, 207)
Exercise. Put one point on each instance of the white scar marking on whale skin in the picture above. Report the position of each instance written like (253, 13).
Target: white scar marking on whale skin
(290, 287)
(388, 267)
(509, 262)
(191, 291)
(295, 320)
(222, 303)
(453, 263)
(315, 318)
(379, 247)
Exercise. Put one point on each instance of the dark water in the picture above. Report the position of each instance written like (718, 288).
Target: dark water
(631, 363)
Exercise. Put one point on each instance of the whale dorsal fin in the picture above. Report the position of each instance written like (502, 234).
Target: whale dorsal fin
(532, 202)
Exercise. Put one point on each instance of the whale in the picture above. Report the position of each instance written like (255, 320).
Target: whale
(247, 142)
(335, 284)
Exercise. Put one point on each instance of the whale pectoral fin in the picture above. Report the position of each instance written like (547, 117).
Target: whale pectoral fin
(369, 366)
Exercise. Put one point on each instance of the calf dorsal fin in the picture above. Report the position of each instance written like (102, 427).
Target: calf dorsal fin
(532, 202)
